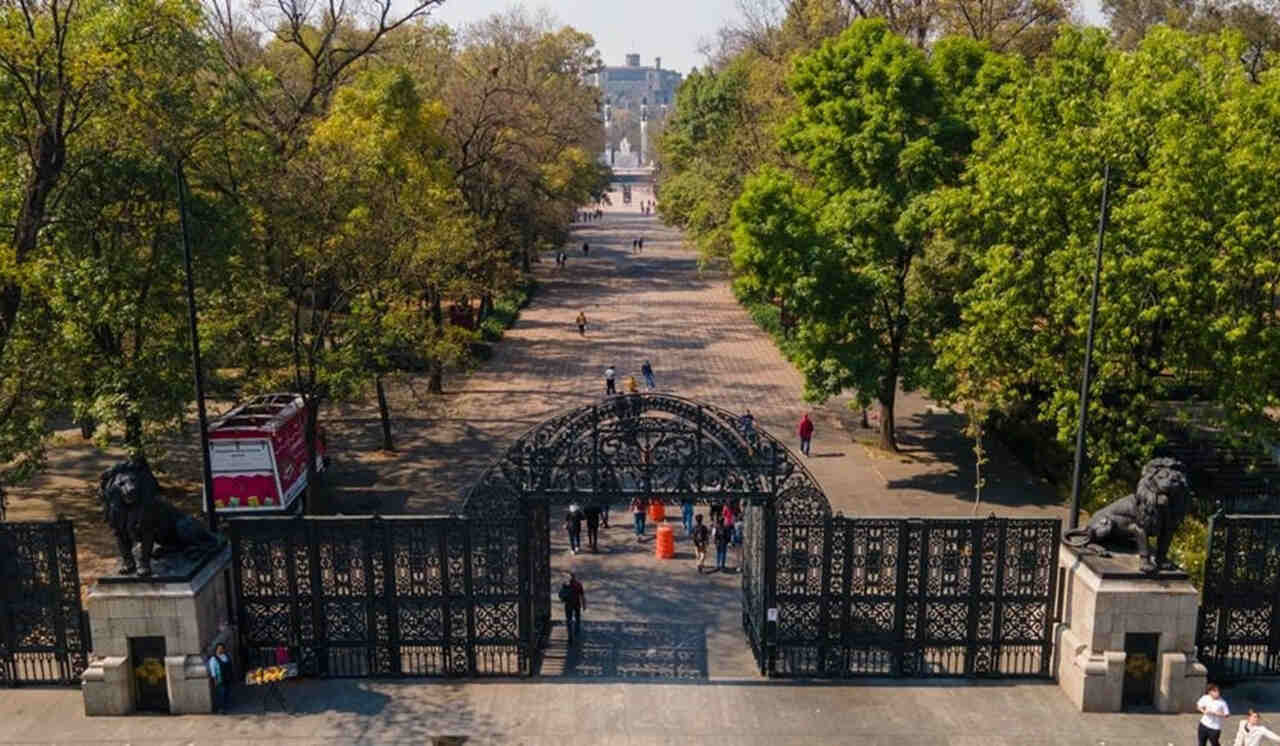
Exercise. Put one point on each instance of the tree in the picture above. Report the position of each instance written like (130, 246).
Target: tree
(875, 135)
(1189, 278)
(67, 69)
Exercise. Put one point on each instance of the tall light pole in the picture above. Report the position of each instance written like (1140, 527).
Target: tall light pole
(207, 472)
(1088, 357)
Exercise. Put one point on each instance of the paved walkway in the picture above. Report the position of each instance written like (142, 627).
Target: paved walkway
(584, 713)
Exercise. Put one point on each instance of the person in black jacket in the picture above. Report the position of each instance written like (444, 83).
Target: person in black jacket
(593, 525)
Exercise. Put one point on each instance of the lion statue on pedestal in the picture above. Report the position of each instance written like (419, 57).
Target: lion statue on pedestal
(1151, 513)
(136, 515)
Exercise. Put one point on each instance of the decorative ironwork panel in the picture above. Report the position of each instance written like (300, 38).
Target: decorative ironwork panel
(43, 630)
(654, 445)
(915, 598)
(1237, 635)
(353, 597)
(753, 578)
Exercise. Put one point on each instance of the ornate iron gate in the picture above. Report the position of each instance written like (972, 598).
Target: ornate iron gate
(1237, 635)
(349, 597)
(912, 597)
(43, 629)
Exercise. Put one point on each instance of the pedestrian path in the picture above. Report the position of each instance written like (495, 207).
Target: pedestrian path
(658, 305)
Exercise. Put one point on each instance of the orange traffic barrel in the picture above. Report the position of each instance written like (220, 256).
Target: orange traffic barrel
(657, 513)
(665, 547)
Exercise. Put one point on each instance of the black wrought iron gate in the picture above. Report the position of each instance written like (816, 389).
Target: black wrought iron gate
(911, 597)
(43, 629)
(349, 597)
(1238, 630)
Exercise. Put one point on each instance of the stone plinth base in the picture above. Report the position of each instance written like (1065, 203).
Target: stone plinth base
(1104, 602)
(191, 616)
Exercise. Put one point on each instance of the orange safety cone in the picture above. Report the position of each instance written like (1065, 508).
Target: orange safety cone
(665, 546)
(657, 512)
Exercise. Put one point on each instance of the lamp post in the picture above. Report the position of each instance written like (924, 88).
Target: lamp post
(207, 471)
(1088, 357)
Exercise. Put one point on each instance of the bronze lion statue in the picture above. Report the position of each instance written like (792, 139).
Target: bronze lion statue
(1151, 513)
(135, 513)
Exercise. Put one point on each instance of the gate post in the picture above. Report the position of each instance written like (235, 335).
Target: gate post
(768, 632)
(529, 652)
(824, 598)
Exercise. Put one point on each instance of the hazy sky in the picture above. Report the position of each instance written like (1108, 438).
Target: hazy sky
(670, 29)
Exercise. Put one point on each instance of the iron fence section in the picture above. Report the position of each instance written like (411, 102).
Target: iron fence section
(43, 628)
(354, 597)
(914, 597)
(1237, 636)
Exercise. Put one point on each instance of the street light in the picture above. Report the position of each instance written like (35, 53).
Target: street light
(1088, 356)
(207, 471)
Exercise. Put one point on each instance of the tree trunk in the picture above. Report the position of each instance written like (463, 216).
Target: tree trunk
(486, 306)
(436, 384)
(312, 406)
(49, 160)
(133, 433)
(865, 425)
(385, 413)
(888, 441)
(525, 264)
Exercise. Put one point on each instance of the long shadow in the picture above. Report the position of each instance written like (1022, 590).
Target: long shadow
(938, 439)
(633, 651)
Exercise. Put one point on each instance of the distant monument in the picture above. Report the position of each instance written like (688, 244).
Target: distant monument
(625, 158)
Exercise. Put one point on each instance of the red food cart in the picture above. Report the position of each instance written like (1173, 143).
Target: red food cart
(258, 455)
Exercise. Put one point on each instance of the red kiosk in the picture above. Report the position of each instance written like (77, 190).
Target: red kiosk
(258, 455)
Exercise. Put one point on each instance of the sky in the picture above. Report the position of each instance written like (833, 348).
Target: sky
(670, 29)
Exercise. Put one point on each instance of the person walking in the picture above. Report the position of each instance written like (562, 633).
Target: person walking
(646, 370)
(686, 516)
(1252, 732)
(574, 598)
(585, 248)
(1214, 710)
(700, 537)
(220, 672)
(573, 525)
(593, 525)
(609, 375)
(721, 537)
(637, 509)
(640, 244)
(805, 431)
(604, 513)
(582, 323)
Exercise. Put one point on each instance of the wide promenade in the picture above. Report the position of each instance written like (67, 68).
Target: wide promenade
(656, 305)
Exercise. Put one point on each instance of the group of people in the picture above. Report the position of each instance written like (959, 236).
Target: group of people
(1214, 711)
(637, 244)
(589, 215)
(646, 207)
(594, 516)
(631, 385)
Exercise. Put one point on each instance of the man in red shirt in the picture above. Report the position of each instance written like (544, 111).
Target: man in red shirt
(805, 431)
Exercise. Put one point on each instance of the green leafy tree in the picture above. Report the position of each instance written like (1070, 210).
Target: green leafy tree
(1187, 294)
(875, 135)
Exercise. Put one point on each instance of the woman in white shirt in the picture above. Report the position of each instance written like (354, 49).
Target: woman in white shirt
(1252, 732)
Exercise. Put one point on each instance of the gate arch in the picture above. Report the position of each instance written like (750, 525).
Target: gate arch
(655, 446)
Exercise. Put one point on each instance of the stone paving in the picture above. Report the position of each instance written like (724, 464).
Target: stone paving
(555, 712)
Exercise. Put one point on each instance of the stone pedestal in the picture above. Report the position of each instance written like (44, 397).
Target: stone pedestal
(191, 615)
(1105, 599)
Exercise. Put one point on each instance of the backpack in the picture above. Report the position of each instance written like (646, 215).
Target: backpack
(566, 593)
(700, 533)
